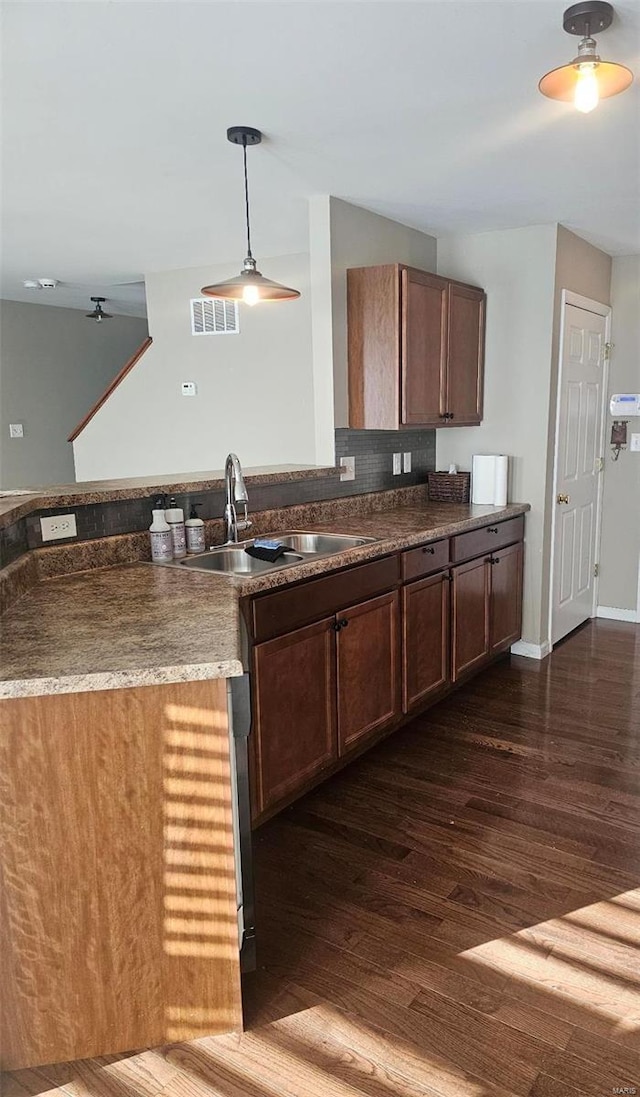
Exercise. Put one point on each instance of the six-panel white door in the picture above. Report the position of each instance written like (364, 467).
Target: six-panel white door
(578, 464)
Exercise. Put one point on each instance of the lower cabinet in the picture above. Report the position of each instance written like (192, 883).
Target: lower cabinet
(425, 606)
(487, 608)
(471, 588)
(506, 598)
(294, 711)
(318, 692)
(368, 669)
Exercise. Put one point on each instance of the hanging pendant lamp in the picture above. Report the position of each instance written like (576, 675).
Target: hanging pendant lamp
(98, 314)
(250, 285)
(586, 80)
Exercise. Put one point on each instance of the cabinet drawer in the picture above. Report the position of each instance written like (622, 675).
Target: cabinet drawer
(478, 541)
(283, 610)
(425, 560)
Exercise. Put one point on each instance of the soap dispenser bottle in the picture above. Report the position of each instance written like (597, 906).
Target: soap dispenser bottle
(194, 527)
(175, 518)
(160, 536)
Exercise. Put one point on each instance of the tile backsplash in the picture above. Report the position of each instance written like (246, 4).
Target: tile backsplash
(372, 449)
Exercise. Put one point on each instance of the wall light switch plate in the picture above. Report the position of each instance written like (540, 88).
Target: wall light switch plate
(58, 527)
(397, 464)
(189, 388)
(348, 465)
(406, 462)
(16, 430)
(635, 443)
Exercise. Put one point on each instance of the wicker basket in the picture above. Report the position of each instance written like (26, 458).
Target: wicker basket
(449, 487)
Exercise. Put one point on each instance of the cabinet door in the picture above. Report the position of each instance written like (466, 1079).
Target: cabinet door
(470, 617)
(425, 668)
(294, 717)
(368, 669)
(424, 346)
(465, 354)
(506, 597)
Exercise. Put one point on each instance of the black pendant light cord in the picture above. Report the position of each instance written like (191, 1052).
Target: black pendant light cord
(246, 197)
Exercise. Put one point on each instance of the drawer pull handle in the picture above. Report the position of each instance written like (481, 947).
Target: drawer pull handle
(443, 415)
(492, 529)
(337, 625)
(430, 549)
(495, 559)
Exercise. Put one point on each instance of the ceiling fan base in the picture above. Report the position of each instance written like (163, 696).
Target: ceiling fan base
(587, 18)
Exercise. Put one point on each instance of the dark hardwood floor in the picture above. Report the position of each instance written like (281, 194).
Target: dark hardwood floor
(458, 913)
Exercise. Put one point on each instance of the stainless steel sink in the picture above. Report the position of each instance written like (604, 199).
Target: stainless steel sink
(233, 560)
(320, 544)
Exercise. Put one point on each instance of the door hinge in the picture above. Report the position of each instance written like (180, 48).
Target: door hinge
(596, 570)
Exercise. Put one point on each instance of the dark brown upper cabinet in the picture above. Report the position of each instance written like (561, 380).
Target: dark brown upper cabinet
(416, 349)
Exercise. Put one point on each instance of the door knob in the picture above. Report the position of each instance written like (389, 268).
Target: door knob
(562, 498)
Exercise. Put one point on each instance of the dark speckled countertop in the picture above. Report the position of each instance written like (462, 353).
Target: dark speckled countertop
(142, 624)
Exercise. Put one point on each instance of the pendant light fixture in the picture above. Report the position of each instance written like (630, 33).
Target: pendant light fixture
(98, 315)
(249, 286)
(586, 79)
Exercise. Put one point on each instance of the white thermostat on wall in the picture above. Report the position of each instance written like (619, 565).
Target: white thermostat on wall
(189, 388)
(624, 403)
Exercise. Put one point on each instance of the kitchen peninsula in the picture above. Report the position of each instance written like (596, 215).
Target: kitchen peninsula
(117, 825)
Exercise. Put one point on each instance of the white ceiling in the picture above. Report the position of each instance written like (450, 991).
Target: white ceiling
(116, 161)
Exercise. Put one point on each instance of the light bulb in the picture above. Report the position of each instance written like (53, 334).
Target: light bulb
(586, 96)
(250, 295)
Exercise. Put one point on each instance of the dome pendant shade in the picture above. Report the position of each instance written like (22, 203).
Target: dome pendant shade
(561, 83)
(98, 315)
(250, 285)
(586, 79)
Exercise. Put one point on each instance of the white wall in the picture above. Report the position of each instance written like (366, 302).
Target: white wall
(517, 269)
(54, 364)
(363, 239)
(620, 545)
(255, 389)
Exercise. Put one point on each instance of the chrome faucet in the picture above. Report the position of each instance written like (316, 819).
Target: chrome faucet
(236, 492)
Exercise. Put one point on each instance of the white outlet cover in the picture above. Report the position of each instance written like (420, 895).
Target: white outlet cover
(397, 464)
(16, 430)
(348, 465)
(406, 462)
(635, 443)
(189, 388)
(58, 527)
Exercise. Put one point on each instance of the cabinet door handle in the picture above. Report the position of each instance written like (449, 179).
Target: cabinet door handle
(336, 626)
(343, 622)
(492, 529)
(443, 415)
(450, 415)
(495, 559)
(430, 549)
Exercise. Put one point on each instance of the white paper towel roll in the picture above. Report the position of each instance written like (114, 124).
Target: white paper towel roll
(490, 473)
(483, 478)
(501, 477)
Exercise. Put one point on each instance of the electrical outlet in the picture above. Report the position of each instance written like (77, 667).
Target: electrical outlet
(635, 443)
(58, 527)
(406, 462)
(189, 388)
(348, 465)
(16, 430)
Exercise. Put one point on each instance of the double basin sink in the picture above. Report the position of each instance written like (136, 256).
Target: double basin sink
(300, 547)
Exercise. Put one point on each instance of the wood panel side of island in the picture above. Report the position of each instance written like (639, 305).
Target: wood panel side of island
(117, 892)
